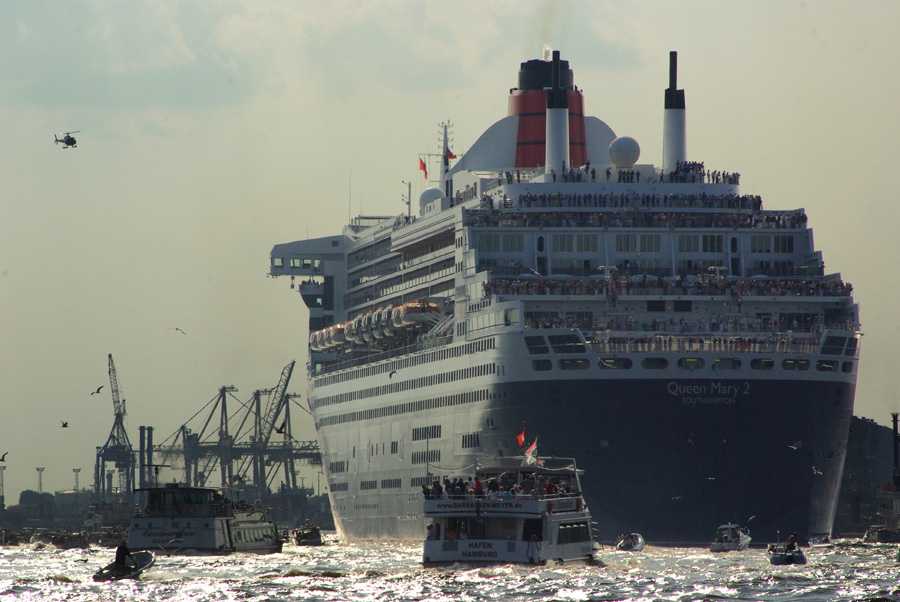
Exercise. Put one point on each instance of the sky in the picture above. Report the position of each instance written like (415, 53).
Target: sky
(210, 131)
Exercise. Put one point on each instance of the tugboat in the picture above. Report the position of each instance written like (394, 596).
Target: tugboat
(888, 496)
(198, 520)
(529, 514)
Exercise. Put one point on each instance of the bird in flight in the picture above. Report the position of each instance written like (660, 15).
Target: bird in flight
(179, 330)
(816, 470)
(391, 375)
(280, 430)
(65, 424)
(796, 445)
(3, 457)
(97, 391)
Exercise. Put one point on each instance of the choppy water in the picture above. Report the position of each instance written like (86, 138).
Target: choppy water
(391, 572)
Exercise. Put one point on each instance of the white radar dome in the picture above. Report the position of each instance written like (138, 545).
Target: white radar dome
(428, 196)
(624, 152)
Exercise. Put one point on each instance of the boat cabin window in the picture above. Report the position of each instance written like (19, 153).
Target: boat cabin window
(850, 351)
(691, 363)
(616, 363)
(833, 345)
(532, 530)
(655, 363)
(541, 365)
(573, 533)
(762, 363)
(728, 363)
(537, 345)
(847, 367)
(574, 364)
(795, 365)
(566, 343)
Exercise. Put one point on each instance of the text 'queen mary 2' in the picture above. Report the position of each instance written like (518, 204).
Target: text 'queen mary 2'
(654, 322)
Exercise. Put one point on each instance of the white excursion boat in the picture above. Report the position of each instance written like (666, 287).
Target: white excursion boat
(526, 514)
(730, 538)
(198, 520)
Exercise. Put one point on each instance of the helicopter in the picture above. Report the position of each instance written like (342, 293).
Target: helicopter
(67, 139)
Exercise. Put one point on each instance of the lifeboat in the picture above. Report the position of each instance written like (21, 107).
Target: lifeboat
(314, 341)
(350, 331)
(325, 340)
(419, 311)
(358, 328)
(367, 328)
(397, 316)
(377, 321)
(387, 321)
(337, 335)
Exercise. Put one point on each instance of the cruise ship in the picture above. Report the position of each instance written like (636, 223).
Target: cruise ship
(655, 322)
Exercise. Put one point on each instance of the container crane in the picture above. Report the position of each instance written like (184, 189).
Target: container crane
(116, 450)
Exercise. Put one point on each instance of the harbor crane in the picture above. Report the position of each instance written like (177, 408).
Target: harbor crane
(252, 453)
(117, 450)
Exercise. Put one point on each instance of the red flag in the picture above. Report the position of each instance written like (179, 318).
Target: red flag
(450, 154)
(521, 438)
(422, 167)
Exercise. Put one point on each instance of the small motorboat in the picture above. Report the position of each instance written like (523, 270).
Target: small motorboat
(143, 560)
(730, 538)
(630, 542)
(821, 540)
(307, 535)
(777, 553)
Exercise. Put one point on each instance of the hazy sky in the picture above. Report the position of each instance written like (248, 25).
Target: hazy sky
(212, 130)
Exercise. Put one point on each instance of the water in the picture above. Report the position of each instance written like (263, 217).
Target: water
(390, 572)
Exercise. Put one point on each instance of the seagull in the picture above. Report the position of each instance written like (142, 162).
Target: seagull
(816, 470)
(181, 331)
(796, 445)
(97, 391)
(65, 424)
(3, 457)
(710, 478)
(280, 430)
(391, 375)
(676, 498)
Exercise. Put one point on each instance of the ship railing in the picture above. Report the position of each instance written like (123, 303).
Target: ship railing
(706, 344)
(644, 219)
(561, 285)
(521, 504)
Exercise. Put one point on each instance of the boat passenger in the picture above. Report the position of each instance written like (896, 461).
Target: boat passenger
(431, 534)
(122, 556)
(791, 543)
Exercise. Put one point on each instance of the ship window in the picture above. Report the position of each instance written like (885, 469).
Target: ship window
(541, 365)
(833, 345)
(826, 366)
(277, 262)
(681, 306)
(734, 245)
(566, 343)
(616, 363)
(847, 367)
(691, 363)
(655, 363)
(656, 305)
(574, 364)
(537, 345)
(540, 244)
(850, 351)
(762, 363)
(795, 365)
(727, 363)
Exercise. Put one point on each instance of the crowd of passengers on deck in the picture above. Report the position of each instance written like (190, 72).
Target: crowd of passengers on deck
(774, 343)
(640, 285)
(494, 489)
(634, 219)
(630, 200)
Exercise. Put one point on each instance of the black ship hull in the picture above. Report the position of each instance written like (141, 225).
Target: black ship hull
(672, 459)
